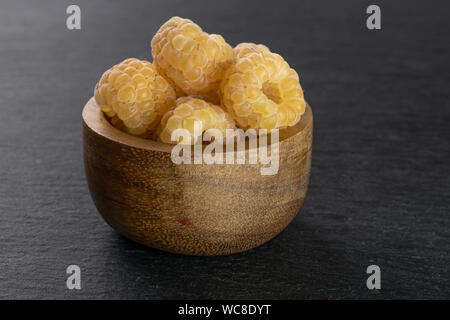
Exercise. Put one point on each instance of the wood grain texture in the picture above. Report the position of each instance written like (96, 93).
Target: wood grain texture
(194, 209)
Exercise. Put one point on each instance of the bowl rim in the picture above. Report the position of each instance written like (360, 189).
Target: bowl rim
(94, 119)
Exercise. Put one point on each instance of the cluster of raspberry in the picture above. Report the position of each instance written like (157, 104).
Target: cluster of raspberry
(198, 77)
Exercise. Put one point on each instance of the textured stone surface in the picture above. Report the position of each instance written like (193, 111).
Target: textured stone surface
(380, 186)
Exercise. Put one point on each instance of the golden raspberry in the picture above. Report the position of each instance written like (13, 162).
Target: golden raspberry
(188, 110)
(192, 60)
(134, 93)
(245, 48)
(261, 91)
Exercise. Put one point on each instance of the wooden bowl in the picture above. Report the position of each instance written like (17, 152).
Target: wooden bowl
(195, 209)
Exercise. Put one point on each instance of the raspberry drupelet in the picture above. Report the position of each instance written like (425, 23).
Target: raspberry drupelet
(134, 95)
(192, 60)
(261, 91)
(244, 48)
(188, 110)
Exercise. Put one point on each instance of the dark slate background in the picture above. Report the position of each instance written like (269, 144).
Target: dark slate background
(380, 185)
